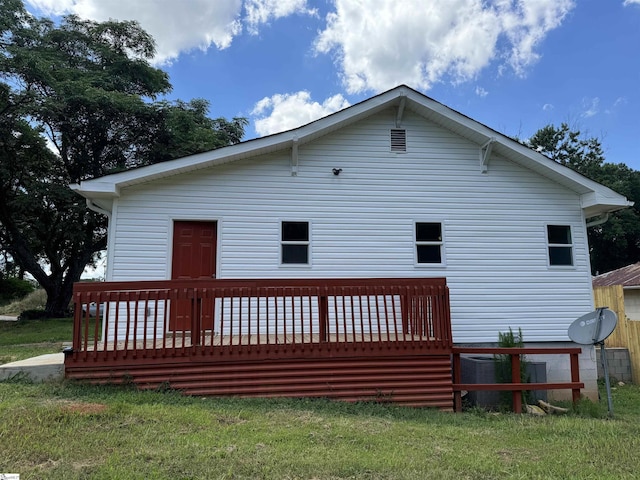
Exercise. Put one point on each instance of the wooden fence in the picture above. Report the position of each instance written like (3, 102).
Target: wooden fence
(627, 332)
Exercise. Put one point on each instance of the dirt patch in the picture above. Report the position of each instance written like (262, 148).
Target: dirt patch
(84, 408)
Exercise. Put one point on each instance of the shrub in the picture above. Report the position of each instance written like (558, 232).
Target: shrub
(32, 314)
(503, 365)
(14, 289)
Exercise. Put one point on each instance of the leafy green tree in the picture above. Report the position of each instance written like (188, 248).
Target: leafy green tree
(78, 100)
(615, 243)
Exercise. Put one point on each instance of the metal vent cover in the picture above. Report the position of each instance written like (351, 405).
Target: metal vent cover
(398, 140)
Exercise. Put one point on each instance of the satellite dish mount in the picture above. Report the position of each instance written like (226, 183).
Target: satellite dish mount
(592, 329)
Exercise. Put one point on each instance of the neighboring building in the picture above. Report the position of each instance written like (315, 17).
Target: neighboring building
(619, 290)
(629, 278)
(396, 186)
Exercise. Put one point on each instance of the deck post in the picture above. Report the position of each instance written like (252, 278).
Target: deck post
(575, 377)
(515, 378)
(457, 379)
(77, 321)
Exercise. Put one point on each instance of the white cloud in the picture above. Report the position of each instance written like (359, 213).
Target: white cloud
(618, 103)
(262, 11)
(547, 107)
(621, 100)
(591, 106)
(181, 26)
(631, 2)
(421, 43)
(282, 112)
(481, 92)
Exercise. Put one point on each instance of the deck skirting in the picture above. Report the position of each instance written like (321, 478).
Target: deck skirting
(404, 378)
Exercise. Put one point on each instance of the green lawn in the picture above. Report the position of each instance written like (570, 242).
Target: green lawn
(29, 338)
(69, 431)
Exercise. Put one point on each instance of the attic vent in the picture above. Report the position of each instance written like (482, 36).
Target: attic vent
(398, 140)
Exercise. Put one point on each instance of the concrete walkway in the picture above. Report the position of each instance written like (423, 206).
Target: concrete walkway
(43, 368)
(38, 369)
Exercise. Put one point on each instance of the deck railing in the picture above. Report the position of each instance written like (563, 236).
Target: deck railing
(174, 317)
(516, 387)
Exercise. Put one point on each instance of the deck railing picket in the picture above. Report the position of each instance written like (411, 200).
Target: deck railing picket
(99, 313)
(232, 316)
(293, 316)
(369, 314)
(85, 335)
(376, 299)
(105, 320)
(277, 296)
(136, 313)
(165, 323)
(344, 315)
(115, 324)
(386, 312)
(128, 324)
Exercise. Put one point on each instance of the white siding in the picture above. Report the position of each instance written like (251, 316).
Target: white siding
(362, 224)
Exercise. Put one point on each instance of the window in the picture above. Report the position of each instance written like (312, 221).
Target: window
(429, 243)
(560, 245)
(398, 140)
(295, 243)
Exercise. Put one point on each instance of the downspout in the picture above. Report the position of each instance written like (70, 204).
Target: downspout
(106, 213)
(599, 220)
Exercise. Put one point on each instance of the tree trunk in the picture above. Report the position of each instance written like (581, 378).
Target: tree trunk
(59, 296)
(60, 287)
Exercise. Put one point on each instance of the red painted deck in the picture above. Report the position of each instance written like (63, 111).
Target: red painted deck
(350, 339)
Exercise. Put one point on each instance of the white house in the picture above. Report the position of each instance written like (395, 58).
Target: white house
(398, 185)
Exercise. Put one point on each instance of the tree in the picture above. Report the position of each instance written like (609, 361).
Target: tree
(615, 243)
(78, 100)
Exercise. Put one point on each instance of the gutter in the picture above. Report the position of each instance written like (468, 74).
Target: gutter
(97, 209)
(599, 220)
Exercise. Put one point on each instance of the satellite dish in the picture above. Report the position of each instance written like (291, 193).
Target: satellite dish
(594, 327)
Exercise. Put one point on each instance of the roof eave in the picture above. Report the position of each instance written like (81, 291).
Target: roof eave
(595, 198)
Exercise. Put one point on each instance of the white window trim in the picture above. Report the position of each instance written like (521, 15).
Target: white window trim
(307, 243)
(415, 243)
(571, 245)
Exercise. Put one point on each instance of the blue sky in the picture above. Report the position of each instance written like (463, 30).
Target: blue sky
(515, 66)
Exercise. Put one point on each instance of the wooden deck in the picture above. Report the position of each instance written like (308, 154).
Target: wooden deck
(351, 339)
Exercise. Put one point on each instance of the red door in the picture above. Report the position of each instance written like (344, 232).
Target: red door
(194, 257)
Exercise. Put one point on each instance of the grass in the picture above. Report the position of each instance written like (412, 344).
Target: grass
(66, 430)
(70, 431)
(29, 338)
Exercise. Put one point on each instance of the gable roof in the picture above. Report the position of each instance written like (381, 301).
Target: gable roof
(596, 199)
(628, 276)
